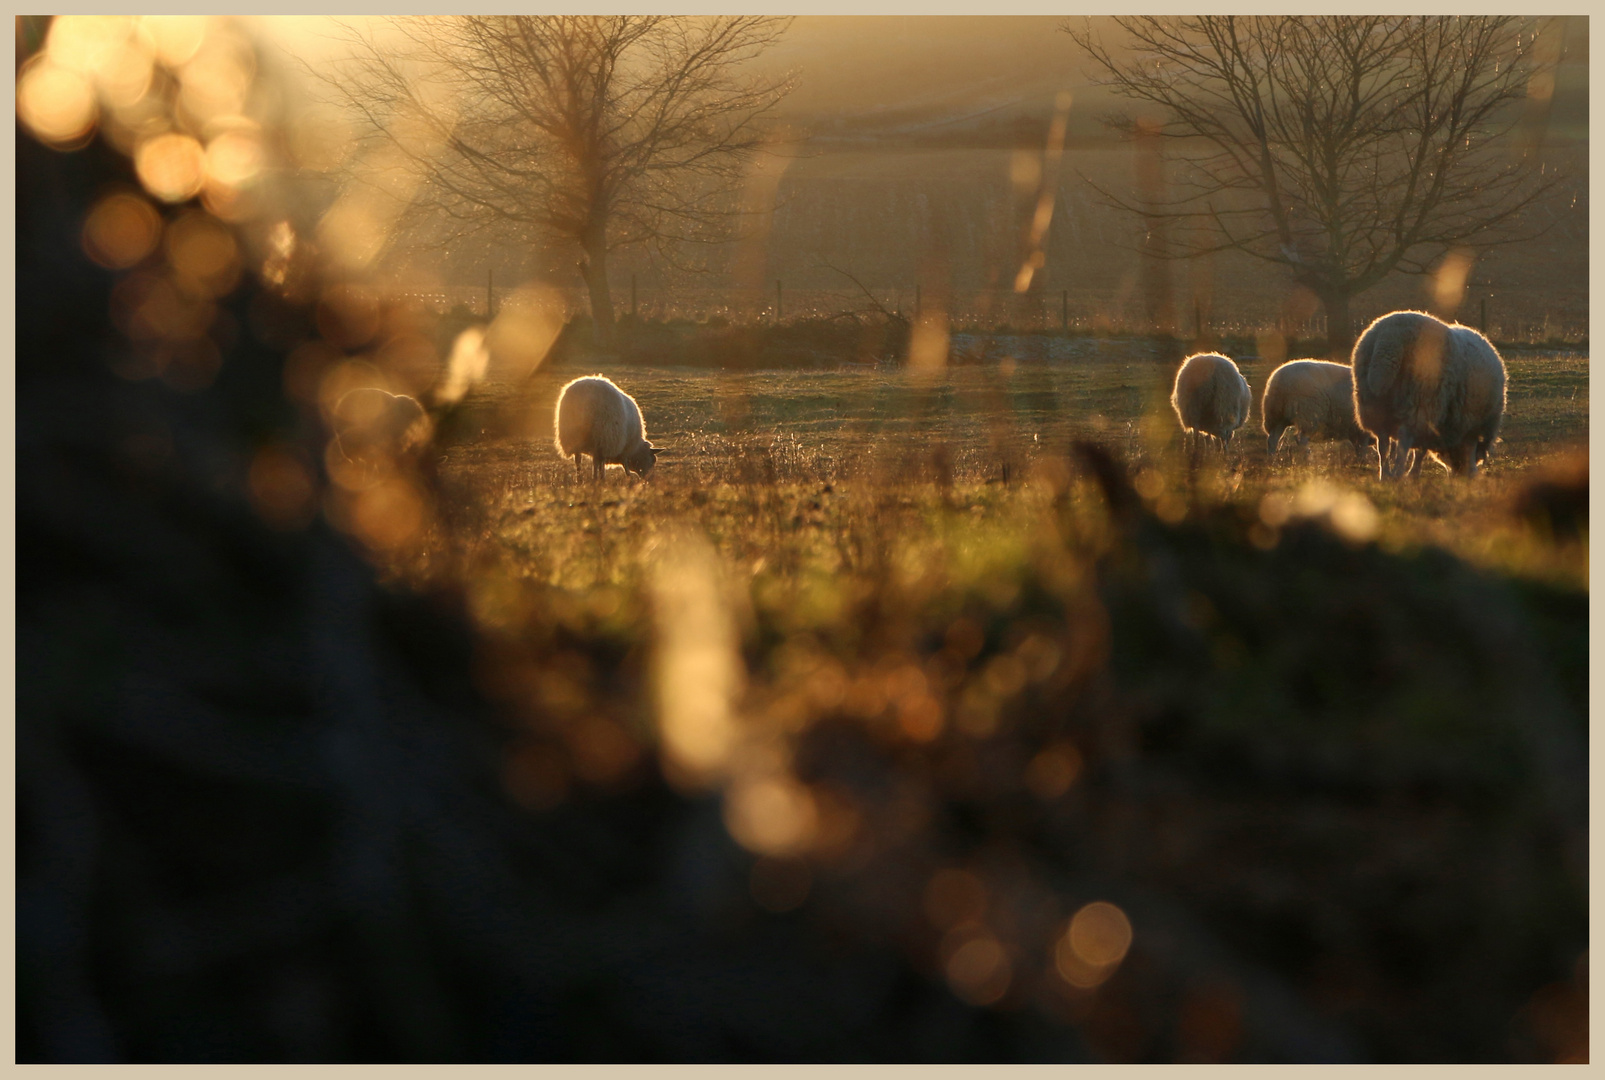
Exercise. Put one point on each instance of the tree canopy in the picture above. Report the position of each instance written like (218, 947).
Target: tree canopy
(1342, 148)
(590, 132)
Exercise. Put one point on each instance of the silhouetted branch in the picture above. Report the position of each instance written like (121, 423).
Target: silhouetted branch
(1342, 148)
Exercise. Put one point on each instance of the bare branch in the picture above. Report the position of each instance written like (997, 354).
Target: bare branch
(875, 303)
(592, 132)
(1342, 148)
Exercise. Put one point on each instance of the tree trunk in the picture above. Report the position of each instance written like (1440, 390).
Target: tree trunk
(594, 269)
(1339, 330)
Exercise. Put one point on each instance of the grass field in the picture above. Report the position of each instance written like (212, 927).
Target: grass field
(794, 468)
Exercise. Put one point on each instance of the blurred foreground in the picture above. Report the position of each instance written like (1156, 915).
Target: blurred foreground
(774, 758)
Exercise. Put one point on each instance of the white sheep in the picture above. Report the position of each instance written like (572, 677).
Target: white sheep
(1313, 397)
(1424, 386)
(595, 417)
(1211, 396)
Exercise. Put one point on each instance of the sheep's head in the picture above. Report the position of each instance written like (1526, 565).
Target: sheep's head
(641, 459)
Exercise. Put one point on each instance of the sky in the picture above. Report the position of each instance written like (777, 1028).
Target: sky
(891, 70)
(859, 64)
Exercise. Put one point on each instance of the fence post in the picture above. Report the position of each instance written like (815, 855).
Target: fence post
(632, 296)
(916, 301)
(490, 292)
(780, 310)
(1064, 310)
(1482, 323)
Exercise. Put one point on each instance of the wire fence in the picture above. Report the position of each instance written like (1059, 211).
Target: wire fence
(1004, 311)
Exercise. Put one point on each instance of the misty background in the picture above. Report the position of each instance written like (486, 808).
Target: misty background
(907, 161)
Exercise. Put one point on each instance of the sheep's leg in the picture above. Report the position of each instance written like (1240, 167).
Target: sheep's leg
(1271, 440)
(601, 467)
(579, 469)
(1410, 463)
(1398, 457)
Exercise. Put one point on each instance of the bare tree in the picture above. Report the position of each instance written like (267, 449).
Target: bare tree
(596, 132)
(1341, 148)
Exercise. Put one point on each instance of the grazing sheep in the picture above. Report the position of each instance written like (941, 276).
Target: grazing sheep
(1211, 396)
(1422, 385)
(1316, 399)
(372, 426)
(595, 417)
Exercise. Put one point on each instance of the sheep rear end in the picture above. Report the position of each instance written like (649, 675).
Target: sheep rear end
(1423, 386)
(1210, 396)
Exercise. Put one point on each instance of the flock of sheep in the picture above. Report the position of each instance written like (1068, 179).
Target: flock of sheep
(1416, 386)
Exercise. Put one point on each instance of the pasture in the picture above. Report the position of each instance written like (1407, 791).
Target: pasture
(790, 471)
